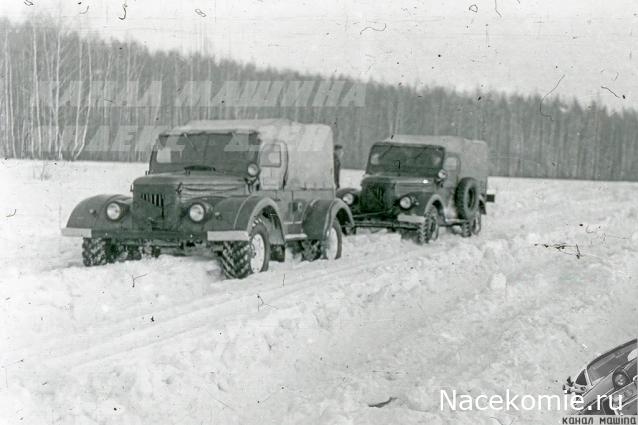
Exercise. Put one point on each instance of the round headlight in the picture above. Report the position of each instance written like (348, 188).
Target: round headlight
(348, 198)
(113, 211)
(253, 169)
(442, 174)
(405, 202)
(620, 380)
(197, 212)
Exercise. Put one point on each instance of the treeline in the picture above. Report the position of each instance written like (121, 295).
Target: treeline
(63, 96)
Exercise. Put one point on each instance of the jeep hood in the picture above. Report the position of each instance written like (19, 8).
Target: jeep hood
(402, 184)
(393, 178)
(192, 184)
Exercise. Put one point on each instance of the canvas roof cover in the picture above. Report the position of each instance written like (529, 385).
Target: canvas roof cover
(473, 153)
(309, 146)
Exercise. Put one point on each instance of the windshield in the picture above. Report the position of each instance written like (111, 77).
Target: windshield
(605, 365)
(405, 160)
(221, 152)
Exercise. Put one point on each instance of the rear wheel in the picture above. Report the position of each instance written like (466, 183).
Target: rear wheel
(331, 246)
(150, 250)
(471, 227)
(240, 259)
(101, 251)
(278, 253)
(133, 253)
(475, 225)
(310, 250)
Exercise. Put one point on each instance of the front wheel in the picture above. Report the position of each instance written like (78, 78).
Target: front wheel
(428, 231)
(240, 259)
(99, 251)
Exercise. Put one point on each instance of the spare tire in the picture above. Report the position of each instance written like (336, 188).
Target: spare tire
(466, 198)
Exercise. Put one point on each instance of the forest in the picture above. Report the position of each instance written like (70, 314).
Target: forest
(64, 96)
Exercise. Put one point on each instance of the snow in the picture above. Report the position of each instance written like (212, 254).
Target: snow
(548, 284)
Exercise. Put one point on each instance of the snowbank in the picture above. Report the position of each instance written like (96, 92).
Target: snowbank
(546, 286)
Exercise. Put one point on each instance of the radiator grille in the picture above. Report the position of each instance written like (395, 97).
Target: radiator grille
(156, 199)
(377, 197)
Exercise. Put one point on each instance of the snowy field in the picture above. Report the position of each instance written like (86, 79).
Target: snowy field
(168, 341)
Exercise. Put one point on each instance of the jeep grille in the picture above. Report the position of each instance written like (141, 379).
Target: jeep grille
(156, 199)
(377, 197)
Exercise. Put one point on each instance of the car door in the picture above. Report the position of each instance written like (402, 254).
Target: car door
(273, 163)
(452, 166)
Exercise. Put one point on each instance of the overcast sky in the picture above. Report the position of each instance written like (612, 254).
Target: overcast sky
(513, 45)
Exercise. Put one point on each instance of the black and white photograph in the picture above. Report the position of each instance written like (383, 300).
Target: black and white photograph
(337, 212)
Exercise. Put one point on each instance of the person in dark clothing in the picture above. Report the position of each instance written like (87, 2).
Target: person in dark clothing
(338, 156)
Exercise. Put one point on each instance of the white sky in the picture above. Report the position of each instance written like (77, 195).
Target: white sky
(512, 45)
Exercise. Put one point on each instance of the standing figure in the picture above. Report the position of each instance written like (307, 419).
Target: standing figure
(338, 156)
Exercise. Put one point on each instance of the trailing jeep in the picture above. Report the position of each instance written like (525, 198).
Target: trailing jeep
(242, 189)
(415, 184)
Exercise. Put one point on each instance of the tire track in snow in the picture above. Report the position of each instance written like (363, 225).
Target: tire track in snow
(201, 314)
(495, 335)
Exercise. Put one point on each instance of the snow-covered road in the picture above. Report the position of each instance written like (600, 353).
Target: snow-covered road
(168, 341)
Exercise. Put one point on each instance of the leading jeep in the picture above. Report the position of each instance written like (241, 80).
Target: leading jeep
(242, 189)
(416, 184)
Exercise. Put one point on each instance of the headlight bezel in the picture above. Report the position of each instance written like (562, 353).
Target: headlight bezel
(348, 198)
(406, 202)
(202, 211)
(111, 207)
(252, 170)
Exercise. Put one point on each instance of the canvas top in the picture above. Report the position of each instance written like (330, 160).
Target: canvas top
(308, 148)
(451, 143)
(473, 153)
(223, 126)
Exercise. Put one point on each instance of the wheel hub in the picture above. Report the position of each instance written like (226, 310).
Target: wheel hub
(332, 244)
(258, 249)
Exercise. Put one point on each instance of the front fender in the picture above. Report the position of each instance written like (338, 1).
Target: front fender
(233, 217)
(342, 191)
(320, 215)
(90, 213)
(356, 194)
(426, 200)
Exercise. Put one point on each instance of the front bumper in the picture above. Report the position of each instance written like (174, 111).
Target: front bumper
(156, 235)
(76, 232)
(402, 221)
(414, 219)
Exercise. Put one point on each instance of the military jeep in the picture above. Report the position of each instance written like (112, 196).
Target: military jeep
(416, 184)
(242, 189)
